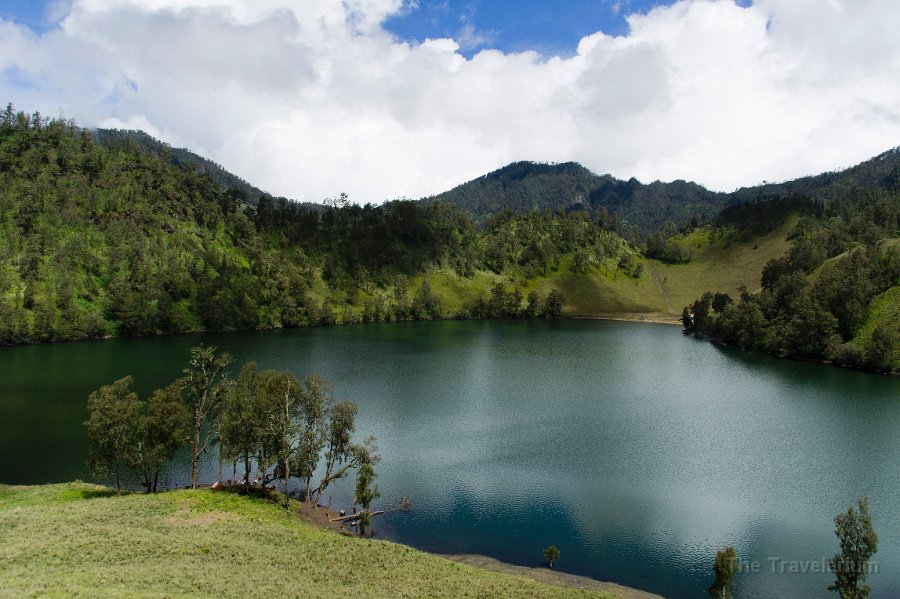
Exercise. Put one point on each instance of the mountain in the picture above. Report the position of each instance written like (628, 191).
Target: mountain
(646, 207)
(181, 157)
(569, 186)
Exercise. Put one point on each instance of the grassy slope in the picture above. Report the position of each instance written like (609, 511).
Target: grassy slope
(663, 290)
(722, 266)
(78, 539)
(659, 293)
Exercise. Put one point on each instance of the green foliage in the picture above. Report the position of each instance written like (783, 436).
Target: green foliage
(123, 238)
(858, 542)
(816, 300)
(112, 427)
(725, 568)
(162, 429)
(551, 554)
(206, 385)
(366, 491)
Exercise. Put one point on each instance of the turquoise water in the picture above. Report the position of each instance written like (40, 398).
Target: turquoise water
(635, 449)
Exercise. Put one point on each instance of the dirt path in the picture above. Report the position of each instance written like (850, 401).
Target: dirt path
(659, 285)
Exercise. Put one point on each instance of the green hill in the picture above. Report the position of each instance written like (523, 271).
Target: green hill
(569, 186)
(646, 207)
(78, 539)
(132, 139)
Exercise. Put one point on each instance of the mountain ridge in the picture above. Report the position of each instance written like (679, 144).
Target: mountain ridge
(645, 207)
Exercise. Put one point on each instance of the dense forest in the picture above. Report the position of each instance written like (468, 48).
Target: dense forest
(132, 139)
(100, 239)
(833, 296)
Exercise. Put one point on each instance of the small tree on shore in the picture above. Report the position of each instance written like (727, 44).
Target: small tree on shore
(725, 567)
(551, 554)
(858, 542)
(315, 401)
(366, 490)
(285, 401)
(160, 433)
(338, 449)
(239, 426)
(112, 424)
(205, 383)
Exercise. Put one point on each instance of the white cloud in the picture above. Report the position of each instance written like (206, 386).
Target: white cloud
(308, 98)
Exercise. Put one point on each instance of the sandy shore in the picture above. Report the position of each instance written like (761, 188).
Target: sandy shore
(548, 576)
(654, 317)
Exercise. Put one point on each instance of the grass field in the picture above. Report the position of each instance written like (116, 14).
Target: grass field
(662, 290)
(81, 540)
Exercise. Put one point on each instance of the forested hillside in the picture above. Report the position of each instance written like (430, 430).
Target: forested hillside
(645, 209)
(100, 240)
(835, 295)
(129, 139)
(570, 186)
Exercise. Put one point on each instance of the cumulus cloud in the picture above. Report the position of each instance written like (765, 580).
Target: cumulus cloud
(309, 98)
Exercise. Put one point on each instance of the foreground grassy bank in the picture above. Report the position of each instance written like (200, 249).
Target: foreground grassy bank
(78, 539)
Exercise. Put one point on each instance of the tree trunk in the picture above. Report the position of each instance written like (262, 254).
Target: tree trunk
(156, 481)
(195, 448)
(118, 485)
(287, 476)
(308, 490)
(247, 473)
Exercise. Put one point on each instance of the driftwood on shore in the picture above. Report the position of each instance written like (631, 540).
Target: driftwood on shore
(356, 516)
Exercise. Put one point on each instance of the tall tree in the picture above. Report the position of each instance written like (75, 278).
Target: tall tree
(112, 427)
(338, 449)
(725, 567)
(161, 431)
(285, 400)
(317, 398)
(858, 542)
(239, 427)
(206, 383)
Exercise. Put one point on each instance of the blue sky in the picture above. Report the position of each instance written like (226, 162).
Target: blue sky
(516, 25)
(34, 13)
(550, 28)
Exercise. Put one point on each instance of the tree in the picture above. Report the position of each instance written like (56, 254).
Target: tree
(858, 542)
(316, 400)
(206, 383)
(338, 450)
(880, 348)
(553, 304)
(366, 492)
(239, 433)
(160, 432)
(551, 554)
(725, 567)
(111, 426)
(285, 398)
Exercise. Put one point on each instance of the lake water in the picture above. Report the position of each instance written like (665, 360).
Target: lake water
(636, 450)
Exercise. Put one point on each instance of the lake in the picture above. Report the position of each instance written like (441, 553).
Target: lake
(635, 449)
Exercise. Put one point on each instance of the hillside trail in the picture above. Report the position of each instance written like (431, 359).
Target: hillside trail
(659, 285)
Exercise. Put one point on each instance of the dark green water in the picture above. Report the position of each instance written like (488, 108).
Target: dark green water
(636, 450)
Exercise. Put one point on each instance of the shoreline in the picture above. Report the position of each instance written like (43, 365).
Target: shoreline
(549, 576)
(647, 317)
(650, 317)
(321, 517)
